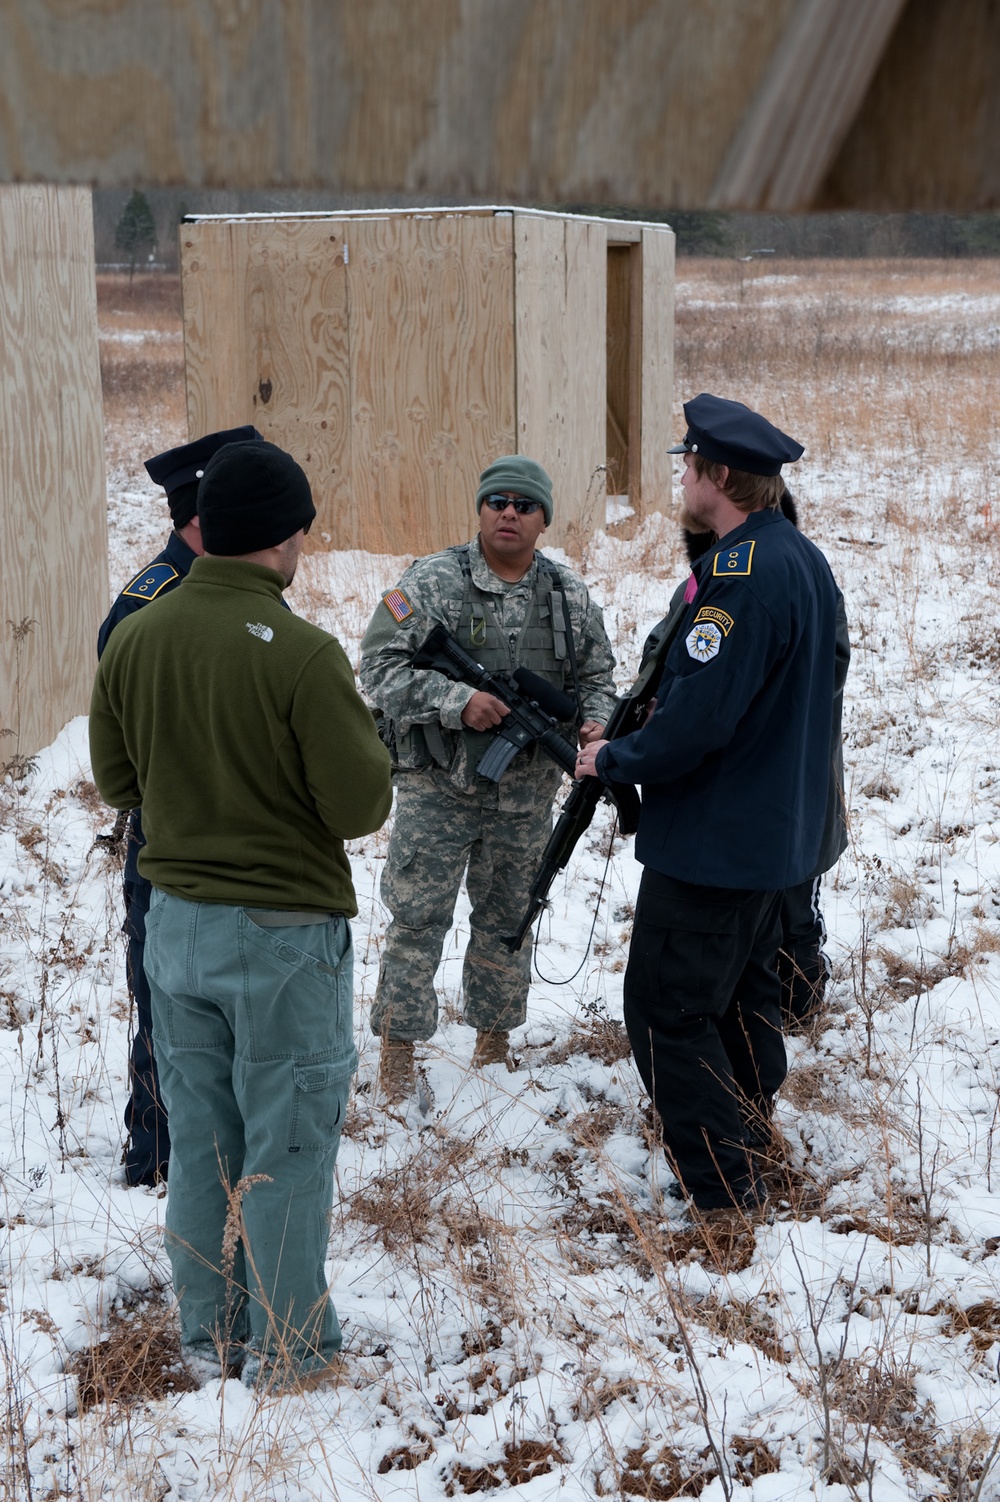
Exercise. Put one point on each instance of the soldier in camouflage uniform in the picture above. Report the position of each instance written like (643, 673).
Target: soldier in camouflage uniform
(508, 606)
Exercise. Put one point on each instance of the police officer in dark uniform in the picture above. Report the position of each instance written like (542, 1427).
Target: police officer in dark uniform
(803, 967)
(734, 765)
(178, 471)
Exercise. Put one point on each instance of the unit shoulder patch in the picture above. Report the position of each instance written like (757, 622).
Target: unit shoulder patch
(733, 562)
(704, 641)
(713, 613)
(151, 581)
(397, 605)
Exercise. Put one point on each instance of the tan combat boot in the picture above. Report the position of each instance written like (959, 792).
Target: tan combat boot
(491, 1048)
(396, 1074)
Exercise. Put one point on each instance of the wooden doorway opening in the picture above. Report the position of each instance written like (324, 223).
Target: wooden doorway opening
(624, 367)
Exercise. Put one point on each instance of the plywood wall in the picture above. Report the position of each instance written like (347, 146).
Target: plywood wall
(665, 103)
(561, 313)
(599, 101)
(656, 396)
(432, 356)
(267, 341)
(53, 530)
(378, 351)
(926, 134)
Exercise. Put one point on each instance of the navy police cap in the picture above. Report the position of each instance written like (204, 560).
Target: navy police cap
(182, 465)
(725, 432)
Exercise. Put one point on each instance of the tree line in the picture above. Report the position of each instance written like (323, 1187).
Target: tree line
(140, 227)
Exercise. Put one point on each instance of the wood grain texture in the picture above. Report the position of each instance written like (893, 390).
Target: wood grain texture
(805, 104)
(432, 358)
(657, 382)
(589, 101)
(389, 378)
(53, 524)
(561, 310)
(266, 341)
(599, 101)
(926, 135)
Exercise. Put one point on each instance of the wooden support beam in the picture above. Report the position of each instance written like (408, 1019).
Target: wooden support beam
(53, 507)
(810, 96)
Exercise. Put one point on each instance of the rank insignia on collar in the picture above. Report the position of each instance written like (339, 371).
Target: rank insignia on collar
(397, 605)
(732, 562)
(704, 641)
(148, 584)
(720, 617)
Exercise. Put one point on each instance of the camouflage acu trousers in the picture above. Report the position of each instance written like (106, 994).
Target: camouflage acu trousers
(493, 835)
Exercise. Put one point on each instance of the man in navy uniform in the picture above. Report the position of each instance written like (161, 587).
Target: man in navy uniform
(178, 471)
(734, 764)
(803, 966)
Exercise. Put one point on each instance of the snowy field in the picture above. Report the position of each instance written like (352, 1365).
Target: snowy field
(524, 1311)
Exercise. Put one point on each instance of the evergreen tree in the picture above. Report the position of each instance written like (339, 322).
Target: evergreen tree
(135, 228)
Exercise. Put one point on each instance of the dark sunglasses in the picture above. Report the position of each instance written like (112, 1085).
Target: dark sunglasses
(520, 505)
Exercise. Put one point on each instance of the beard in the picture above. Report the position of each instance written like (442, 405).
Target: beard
(691, 523)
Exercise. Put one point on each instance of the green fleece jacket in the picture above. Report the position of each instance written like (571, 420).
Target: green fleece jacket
(237, 728)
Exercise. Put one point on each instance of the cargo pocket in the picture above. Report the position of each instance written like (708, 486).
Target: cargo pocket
(319, 1101)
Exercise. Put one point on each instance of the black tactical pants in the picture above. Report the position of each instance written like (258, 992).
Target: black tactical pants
(148, 1150)
(703, 1017)
(803, 968)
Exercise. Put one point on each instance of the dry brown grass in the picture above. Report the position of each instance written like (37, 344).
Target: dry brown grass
(134, 1358)
(142, 366)
(847, 332)
(523, 1460)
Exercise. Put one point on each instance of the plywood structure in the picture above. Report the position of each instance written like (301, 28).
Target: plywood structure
(561, 376)
(808, 99)
(396, 354)
(432, 348)
(651, 103)
(53, 533)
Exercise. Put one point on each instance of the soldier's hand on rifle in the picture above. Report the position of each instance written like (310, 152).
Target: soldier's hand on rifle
(650, 712)
(590, 730)
(483, 711)
(587, 759)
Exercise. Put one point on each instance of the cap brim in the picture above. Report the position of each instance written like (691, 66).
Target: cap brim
(680, 448)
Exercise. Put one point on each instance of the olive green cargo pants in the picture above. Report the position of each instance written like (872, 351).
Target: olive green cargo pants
(253, 1033)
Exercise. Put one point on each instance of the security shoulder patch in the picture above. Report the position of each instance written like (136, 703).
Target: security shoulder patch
(713, 613)
(704, 641)
(732, 562)
(148, 584)
(397, 605)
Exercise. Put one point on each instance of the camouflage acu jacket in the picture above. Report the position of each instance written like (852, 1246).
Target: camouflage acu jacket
(502, 625)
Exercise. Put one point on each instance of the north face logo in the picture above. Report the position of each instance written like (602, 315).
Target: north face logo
(256, 629)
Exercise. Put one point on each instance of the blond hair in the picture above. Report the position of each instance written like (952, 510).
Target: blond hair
(745, 491)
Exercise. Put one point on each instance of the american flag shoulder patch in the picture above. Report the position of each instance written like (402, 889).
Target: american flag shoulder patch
(397, 605)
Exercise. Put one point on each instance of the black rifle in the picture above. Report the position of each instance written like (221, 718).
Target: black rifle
(629, 714)
(535, 706)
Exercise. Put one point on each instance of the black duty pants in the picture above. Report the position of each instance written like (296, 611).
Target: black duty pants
(803, 968)
(148, 1149)
(703, 1017)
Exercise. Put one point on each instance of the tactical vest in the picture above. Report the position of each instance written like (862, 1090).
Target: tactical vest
(540, 645)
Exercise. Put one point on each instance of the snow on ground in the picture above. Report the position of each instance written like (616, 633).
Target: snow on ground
(523, 1307)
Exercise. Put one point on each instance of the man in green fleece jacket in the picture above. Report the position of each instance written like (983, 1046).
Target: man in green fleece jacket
(237, 728)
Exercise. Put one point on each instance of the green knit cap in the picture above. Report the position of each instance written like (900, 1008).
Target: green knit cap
(515, 472)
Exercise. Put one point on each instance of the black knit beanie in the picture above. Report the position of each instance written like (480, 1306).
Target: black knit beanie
(252, 496)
